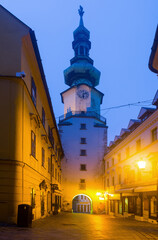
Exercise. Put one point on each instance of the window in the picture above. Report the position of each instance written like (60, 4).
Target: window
(83, 167)
(154, 134)
(112, 161)
(83, 141)
(49, 165)
(127, 152)
(82, 184)
(43, 157)
(82, 180)
(83, 152)
(33, 194)
(107, 182)
(53, 170)
(33, 144)
(83, 126)
(81, 50)
(43, 117)
(33, 91)
(50, 135)
(81, 196)
(107, 165)
(55, 174)
(113, 181)
(119, 157)
(138, 145)
(58, 177)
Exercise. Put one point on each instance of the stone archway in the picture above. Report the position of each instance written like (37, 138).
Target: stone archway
(82, 204)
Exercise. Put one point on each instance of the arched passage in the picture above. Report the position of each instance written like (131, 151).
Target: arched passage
(82, 204)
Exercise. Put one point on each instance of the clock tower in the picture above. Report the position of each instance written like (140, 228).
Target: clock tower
(83, 130)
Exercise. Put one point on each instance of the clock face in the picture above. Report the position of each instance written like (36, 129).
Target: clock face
(83, 94)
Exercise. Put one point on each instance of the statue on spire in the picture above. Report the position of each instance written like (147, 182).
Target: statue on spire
(80, 11)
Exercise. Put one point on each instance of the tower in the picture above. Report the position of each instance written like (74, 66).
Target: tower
(82, 129)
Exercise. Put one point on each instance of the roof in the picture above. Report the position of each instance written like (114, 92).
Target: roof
(153, 53)
(144, 112)
(133, 122)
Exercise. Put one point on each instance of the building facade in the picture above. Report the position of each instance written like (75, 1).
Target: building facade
(131, 168)
(82, 129)
(30, 147)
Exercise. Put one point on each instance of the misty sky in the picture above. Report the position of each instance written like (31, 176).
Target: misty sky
(122, 34)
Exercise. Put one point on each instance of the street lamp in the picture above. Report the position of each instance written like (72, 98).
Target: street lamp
(142, 166)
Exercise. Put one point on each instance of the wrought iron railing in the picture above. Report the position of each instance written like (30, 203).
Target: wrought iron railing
(82, 114)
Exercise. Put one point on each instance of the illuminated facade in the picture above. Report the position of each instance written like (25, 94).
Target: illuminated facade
(30, 147)
(131, 168)
(83, 131)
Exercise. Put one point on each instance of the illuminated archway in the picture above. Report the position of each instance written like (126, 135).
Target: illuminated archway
(82, 203)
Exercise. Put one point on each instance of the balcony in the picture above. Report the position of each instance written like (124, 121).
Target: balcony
(88, 114)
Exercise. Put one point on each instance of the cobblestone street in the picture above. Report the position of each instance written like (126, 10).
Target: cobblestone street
(67, 226)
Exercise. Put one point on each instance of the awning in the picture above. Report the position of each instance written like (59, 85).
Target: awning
(125, 190)
(146, 188)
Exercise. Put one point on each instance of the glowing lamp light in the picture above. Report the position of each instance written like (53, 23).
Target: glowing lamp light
(98, 193)
(141, 164)
(101, 198)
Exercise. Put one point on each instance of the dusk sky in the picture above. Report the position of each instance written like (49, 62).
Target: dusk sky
(122, 34)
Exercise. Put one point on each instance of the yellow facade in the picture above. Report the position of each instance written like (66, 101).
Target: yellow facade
(131, 189)
(26, 177)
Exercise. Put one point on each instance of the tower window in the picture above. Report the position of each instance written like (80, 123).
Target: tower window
(83, 126)
(83, 167)
(83, 141)
(83, 152)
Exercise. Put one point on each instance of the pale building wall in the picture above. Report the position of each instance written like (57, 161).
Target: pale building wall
(95, 147)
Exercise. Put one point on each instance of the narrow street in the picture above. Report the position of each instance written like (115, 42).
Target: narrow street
(67, 226)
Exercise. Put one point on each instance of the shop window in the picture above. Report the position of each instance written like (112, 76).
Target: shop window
(112, 206)
(33, 144)
(153, 207)
(139, 206)
(126, 204)
(33, 91)
(43, 157)
(146, 204)
(154, 134)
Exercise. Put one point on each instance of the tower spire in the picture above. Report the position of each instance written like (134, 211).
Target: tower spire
(81, 12)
